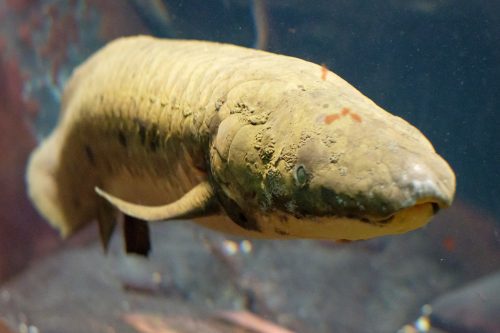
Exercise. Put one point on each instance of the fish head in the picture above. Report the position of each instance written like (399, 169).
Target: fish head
(328, 169)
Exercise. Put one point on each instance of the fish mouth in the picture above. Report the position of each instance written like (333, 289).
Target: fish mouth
(388, 219)
(352, 227)
(409, 218)
(423, 189)
(380, 209)
(434, 205)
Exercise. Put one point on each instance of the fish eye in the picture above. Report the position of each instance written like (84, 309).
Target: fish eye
(301, 176)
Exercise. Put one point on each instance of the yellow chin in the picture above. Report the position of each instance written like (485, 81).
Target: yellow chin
(281, 226)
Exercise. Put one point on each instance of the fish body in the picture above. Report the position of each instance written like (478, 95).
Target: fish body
(239, 140)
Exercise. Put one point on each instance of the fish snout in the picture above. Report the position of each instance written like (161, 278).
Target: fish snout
(406, 181)
(429, 180)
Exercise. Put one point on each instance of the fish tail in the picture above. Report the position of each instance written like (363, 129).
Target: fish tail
(42, 185)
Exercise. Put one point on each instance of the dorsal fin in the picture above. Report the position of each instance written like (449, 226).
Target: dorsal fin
(195, 203)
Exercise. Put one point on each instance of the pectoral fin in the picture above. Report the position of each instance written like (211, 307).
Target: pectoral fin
(107, 222)
(195, 203)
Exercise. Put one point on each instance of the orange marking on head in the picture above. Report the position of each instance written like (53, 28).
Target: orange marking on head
(324, 72)
(345, 111)
(331, 118)
(356, 117)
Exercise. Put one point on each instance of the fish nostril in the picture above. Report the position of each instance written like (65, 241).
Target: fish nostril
(435, 208)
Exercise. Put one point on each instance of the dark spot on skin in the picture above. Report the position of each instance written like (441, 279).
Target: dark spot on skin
(149, 134)
(250, 195)
(238, 216)
(200, 167)
(242, 217)
(386, 220)
(234, 211)
(283, 218)
(90, 155)
(325, 106)
(343, 241)
(360, 218)
(154, 141)
(281, 232)
(243, 221)
(142, 130)
(266, 153)
(219, 103)
(142, 133)
(300, 215)
(273, 183)
(122, 139)
(334, 159)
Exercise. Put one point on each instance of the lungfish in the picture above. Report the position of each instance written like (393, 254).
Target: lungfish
(239, 140)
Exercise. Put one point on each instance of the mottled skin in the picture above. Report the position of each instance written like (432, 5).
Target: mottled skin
(265, 139)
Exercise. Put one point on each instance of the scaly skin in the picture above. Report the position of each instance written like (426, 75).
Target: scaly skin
(278, 146)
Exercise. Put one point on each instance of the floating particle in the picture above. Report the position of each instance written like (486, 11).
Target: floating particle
(230, 247)
(246, 246)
